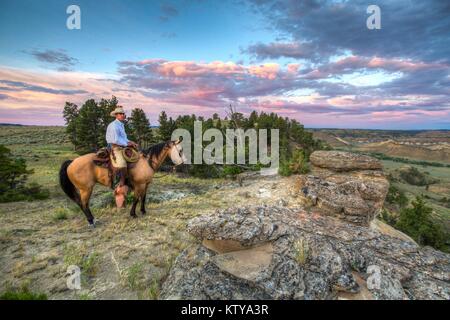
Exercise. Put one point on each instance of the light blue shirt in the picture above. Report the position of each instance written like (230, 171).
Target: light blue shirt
(115, 133)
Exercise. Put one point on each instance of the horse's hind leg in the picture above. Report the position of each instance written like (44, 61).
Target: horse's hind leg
(143, 200)
(143, 204)
(133, 208)
(85, 195)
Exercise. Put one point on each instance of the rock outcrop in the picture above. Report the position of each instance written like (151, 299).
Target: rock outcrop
(344, 161)
(345, 185)
(281, 253)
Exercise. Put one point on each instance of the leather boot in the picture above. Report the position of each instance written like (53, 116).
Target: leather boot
(123, 175)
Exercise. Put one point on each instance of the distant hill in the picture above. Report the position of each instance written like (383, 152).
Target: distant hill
(11, 124)
(438, 152)
(331, 139)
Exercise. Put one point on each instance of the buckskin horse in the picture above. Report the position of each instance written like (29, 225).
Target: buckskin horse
(78, 177)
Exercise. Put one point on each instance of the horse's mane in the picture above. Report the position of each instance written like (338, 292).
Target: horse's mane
(155, 150)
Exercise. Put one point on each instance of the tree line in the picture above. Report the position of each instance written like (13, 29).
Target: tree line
(86, 128)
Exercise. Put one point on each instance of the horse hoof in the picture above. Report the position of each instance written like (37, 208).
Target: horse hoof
(134, 216)
(93, 224)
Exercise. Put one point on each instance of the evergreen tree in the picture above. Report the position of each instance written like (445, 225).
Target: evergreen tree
(396, 196)
(418, 224)
(140, 128)
(90, 128)
(70, 114)
(13, 172)
(218, 124)
(107, 106)
(13, 176)
(252, 120)
(166, 127)
(87, 125)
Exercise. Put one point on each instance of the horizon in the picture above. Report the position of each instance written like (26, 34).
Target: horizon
(312, 128)
(313, 61)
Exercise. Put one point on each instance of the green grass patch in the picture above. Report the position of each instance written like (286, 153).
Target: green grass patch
(22, 294)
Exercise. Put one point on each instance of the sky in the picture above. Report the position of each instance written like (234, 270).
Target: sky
(312, 60)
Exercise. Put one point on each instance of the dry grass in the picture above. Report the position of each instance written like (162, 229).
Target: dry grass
(301, 251)
(38, 240)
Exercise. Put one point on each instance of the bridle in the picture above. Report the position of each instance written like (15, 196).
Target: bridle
(173, 170)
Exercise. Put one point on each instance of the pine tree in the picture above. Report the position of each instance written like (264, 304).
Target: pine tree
(70, 114)
(87, 125)
(13, 172)
(166, 127)
(13, 176)
(252, 120)
(417, 223)
(107, 106)
(90, 127)
(218, 124)
(140, 128)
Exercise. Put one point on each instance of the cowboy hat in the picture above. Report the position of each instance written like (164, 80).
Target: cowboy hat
(117, 110)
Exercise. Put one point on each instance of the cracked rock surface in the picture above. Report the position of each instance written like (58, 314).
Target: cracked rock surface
(271, 252)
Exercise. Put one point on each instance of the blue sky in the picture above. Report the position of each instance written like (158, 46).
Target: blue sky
(312, 60)
(117, 30)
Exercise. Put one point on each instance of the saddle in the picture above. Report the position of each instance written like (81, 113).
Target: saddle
(103, 159)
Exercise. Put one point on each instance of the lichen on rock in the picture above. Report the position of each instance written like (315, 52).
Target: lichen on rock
(356, 195)
(339, 263)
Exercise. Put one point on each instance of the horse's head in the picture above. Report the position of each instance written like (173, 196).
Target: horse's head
(176, 152)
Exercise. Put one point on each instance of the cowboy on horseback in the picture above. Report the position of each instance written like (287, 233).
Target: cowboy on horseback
(78, 177)
(117, 140)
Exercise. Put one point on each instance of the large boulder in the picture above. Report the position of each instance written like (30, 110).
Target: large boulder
(356, 195)
(281, 253)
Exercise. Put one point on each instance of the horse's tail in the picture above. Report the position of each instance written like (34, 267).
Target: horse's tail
(66, 184)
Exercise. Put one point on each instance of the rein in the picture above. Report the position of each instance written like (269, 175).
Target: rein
(171, 171)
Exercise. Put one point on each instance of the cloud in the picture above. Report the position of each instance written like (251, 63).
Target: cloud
(169, 35)
(275, 50)
(58, 59)
(411, 29)
(21, 86)
(419, 86)
(316, 95)
(167, 11)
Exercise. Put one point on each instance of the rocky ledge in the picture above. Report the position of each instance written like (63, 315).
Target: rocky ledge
(344, 161)
(345, 185)
(280, 253)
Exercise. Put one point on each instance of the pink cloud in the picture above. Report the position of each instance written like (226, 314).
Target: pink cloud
(268, 70)
(186, 87)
